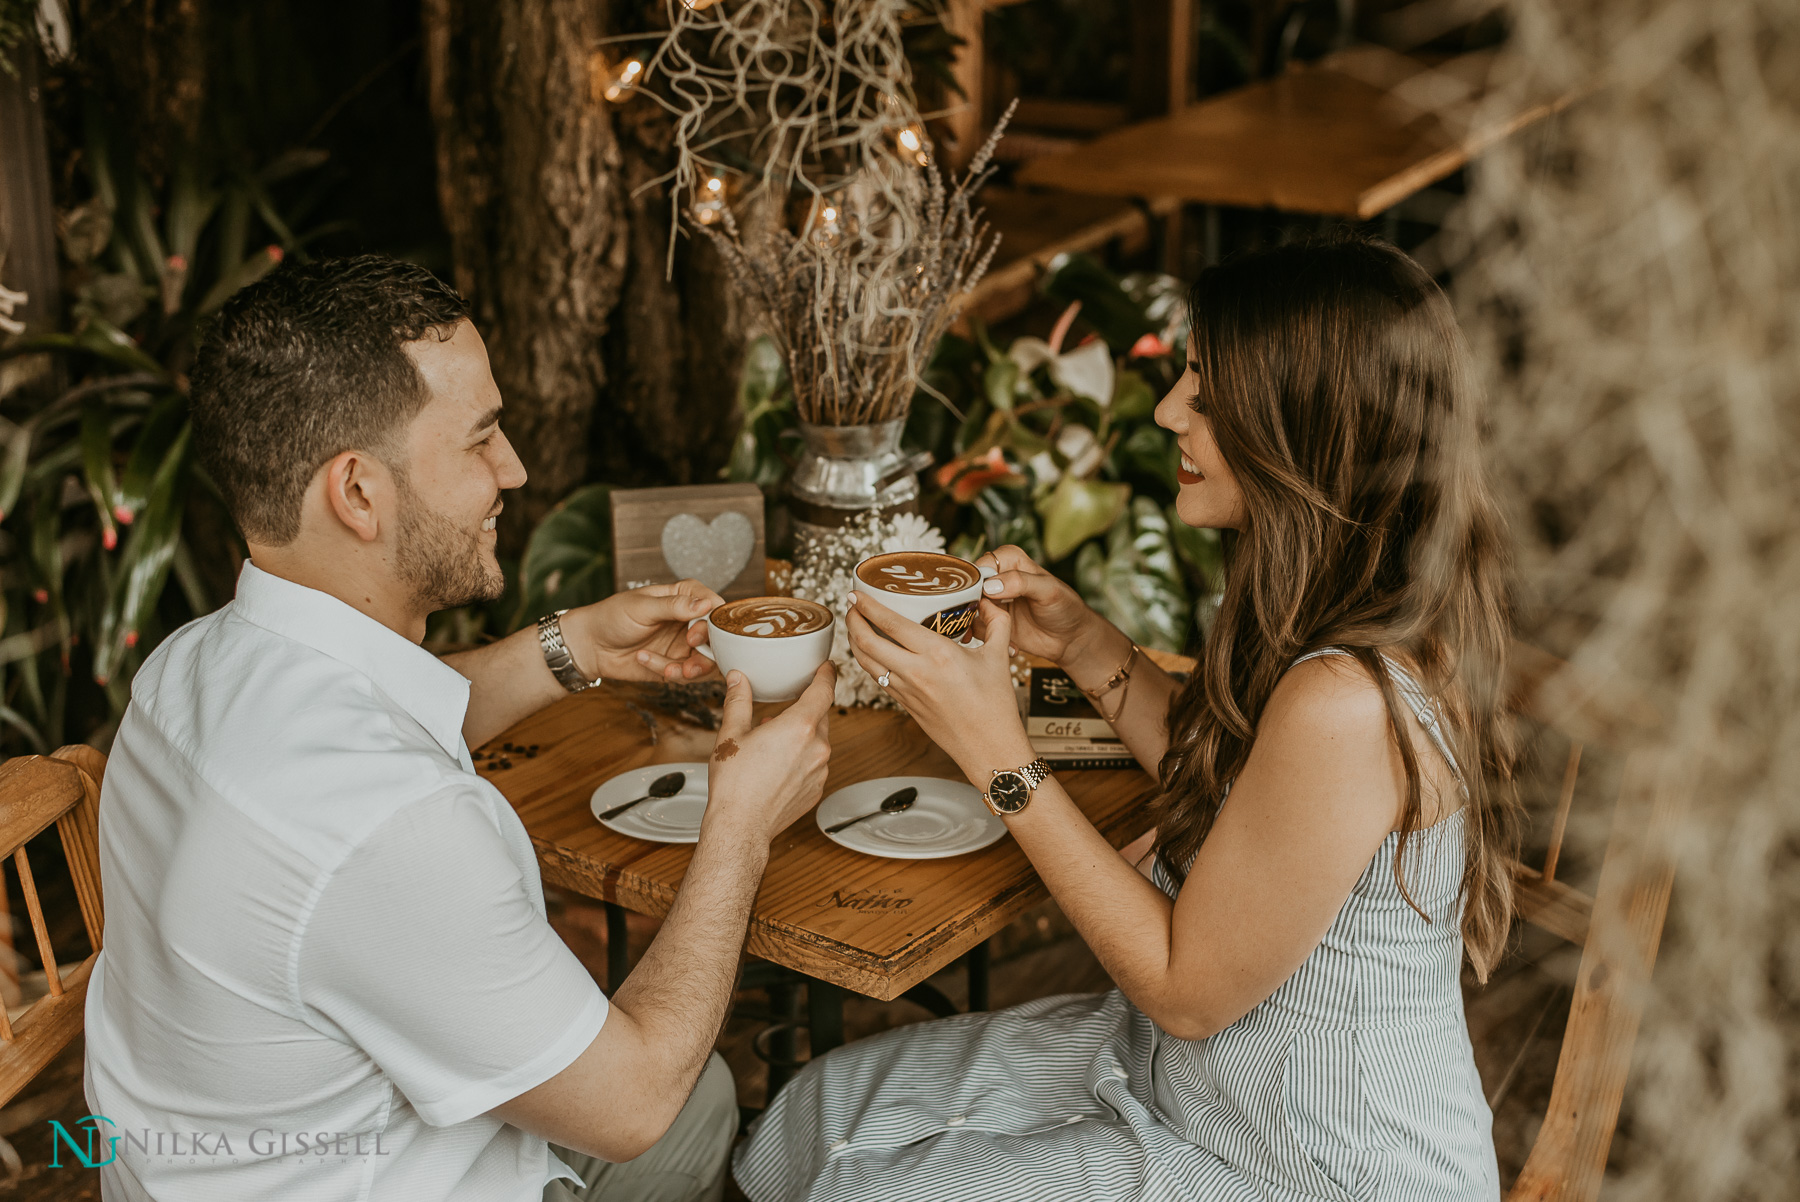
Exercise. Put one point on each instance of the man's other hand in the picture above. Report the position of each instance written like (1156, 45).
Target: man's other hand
(761, 779)
(642, 634)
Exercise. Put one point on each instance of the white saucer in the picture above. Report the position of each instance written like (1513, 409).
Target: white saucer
(947, 819)
(661, 819)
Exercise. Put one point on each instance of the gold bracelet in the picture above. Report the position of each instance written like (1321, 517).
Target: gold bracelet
(1118, 680)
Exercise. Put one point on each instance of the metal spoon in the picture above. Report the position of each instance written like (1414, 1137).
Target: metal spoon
(662, 786)
(893, 803)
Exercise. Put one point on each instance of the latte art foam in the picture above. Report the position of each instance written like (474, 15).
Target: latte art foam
(918, 573)
(770, 617)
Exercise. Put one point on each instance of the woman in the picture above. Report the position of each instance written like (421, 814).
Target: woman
(1333, 821)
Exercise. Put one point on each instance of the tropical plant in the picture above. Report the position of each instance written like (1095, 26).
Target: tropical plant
(99, 496)
(1052, 446)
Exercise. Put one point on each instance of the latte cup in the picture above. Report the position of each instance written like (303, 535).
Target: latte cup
(776, 642)
(940, 592)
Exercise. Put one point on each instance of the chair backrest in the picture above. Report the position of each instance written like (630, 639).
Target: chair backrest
(36, 791)
(1618, 929)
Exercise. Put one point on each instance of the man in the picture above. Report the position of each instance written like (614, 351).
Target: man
(327, 972)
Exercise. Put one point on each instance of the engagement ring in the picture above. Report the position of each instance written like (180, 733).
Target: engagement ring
(882, 680)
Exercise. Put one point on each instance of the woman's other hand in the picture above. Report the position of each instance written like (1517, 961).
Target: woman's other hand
(1048, 618)
(962, 697)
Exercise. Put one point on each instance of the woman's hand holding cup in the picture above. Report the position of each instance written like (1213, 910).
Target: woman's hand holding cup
(1048, 619)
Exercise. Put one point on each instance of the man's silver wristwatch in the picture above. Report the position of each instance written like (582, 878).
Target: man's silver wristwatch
(557, 656)
(1011, 788)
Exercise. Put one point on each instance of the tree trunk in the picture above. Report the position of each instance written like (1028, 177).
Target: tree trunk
(678, 343)
(149, 59)
(529, 183)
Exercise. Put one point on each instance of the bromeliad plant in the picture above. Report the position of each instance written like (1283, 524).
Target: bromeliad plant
(97, 488)
(1057, 450)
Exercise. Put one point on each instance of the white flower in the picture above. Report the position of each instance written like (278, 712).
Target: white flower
(910, 532)
(1085, 371)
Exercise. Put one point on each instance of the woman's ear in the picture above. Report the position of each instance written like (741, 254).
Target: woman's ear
(359, 492)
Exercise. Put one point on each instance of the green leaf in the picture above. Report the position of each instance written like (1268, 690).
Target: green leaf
(1077, 510)
(12, 467)
(46, 543)
(1008, 517)
(250, 270)
(767, 407)
(1136, 582)
(96, 337)
(1149, 454)
(1132, 399)
(97, 467)
(568, 560)
(143, 566)
(1104, 304)
(153, 442)
(999, 383)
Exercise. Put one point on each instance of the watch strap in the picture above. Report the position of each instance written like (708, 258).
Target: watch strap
(556, 654)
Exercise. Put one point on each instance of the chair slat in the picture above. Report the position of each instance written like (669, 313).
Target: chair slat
(80, 831)
(1552, 905)
(35, 790)
(1568, 1160)
(39, 926)
(42, 1032)
(1563, 802)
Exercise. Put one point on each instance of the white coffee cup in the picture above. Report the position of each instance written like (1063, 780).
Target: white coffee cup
(779, 666)
(946, 611)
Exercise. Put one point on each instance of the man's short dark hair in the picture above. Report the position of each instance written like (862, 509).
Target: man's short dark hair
(303, 365)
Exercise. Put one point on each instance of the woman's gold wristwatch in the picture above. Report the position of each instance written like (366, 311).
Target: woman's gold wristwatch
(1011, 788)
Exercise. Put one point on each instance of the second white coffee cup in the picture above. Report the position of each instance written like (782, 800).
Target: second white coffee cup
(950, 613)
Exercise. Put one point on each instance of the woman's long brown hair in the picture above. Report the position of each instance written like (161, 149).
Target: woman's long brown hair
(1340, 394)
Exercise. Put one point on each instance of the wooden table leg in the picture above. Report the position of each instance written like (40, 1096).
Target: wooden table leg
(977, 964)
(824, 1016)
(618, 947)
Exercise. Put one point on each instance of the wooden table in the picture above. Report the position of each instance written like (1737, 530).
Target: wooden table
(1348, 136)
(873, 925)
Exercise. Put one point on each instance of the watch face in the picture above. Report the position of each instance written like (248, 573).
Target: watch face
(1009, 792)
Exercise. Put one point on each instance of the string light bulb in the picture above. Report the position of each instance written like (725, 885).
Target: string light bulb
(829, 229)
(709, 206)
(617, 84)
(914, 144)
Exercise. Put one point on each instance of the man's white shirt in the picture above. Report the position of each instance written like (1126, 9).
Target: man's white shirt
(321, 926)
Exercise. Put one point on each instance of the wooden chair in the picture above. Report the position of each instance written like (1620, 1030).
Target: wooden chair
(35, 791)
(1617, 929)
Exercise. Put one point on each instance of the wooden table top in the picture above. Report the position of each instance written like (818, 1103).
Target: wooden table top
(1351, 136)
(873, 925)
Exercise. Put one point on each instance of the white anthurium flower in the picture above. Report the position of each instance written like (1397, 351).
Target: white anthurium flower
(1079, 446)
(1043, 469)
(1030, 353)
(1085, 371)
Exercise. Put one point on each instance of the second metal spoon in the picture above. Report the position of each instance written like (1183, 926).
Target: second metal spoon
(893, 803)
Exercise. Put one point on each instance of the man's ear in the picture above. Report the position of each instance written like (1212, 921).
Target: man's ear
(359, 492)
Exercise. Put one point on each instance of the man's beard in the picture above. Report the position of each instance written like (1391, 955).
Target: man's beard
(441, 563)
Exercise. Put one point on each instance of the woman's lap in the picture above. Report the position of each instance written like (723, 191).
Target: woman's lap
(1035, 1103)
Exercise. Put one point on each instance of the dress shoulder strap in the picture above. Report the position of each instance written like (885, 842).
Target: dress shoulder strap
(1417, 700)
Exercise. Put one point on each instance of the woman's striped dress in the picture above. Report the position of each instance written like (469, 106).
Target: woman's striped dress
(1353, 1080)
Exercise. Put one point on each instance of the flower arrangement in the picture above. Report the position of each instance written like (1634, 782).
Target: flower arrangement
(813, 105)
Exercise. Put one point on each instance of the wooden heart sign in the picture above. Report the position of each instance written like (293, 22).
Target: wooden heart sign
(712, 533)
(711, 552)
